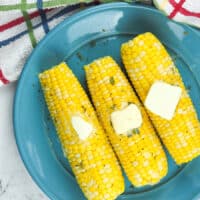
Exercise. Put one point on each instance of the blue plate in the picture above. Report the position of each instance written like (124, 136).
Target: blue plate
(90, 34)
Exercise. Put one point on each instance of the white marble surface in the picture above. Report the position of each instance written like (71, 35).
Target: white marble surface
(15, 182)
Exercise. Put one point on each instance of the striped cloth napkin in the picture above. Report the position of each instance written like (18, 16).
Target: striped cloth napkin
(23, 23)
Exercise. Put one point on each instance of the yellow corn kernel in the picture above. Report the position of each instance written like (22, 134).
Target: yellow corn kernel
(92, 159)
(146, 61)
(140, 153)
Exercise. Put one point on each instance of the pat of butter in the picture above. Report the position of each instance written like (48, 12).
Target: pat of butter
(126, 119)
(162, 99)
(83, 128)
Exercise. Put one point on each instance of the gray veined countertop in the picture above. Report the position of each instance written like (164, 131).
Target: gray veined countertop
(15, 182)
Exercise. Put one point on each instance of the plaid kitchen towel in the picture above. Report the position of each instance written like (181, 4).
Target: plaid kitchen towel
(185, 11)
(24, 22)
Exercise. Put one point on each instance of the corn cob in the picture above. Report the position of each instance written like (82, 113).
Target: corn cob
(140, 153)
(92, 159)
(146, 61)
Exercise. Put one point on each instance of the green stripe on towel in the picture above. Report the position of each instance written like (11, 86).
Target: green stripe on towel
(28, 23)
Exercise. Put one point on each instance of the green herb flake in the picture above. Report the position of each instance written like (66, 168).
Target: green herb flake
(136, 131)
(80, 57)
(93, 43)
(173, 69)
(112, 80)
(174, 58)
(188, 88)
(80, 165)
(129, 134)
(113, 107)
(103, 30)
(48, 118)
(129, 103)
(131, 186)
(83, 107)
(185, 33)
(111, 124)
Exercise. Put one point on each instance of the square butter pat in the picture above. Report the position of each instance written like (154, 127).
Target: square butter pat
(82, 128)
(126, 119)
(162, 99)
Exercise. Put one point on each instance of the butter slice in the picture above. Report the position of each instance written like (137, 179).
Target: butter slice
(82, 127)
(162, 99)
(126, 119)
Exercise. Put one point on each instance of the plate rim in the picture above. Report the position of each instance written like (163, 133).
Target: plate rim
(88, 11)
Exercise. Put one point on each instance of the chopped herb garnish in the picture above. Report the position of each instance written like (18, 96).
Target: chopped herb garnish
(175, 57)
(131, 186)
(93, 43)
(112, 80)
(103, 30)
(136, 131)
(130, 134)
(48, 118)
(113, 107)
(185, 33)
(80, 57)
(83, 107)
(129, 103)
(188, 88)
(80, 165)
(173, 69)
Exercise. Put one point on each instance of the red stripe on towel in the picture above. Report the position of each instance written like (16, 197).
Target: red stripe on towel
(3, 78)
(20, 20)
(177, 7)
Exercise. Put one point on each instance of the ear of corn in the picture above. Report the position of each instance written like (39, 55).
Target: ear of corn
(146, 61)
(92, 160)
(140, 153)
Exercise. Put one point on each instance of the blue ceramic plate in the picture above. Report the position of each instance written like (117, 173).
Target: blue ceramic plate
(84, 37)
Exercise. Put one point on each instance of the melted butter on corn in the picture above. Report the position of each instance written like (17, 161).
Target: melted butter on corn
(126, 119)
(146, 61)
(162, 99)
(82, 127)
(90, 155)
(140, 152)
